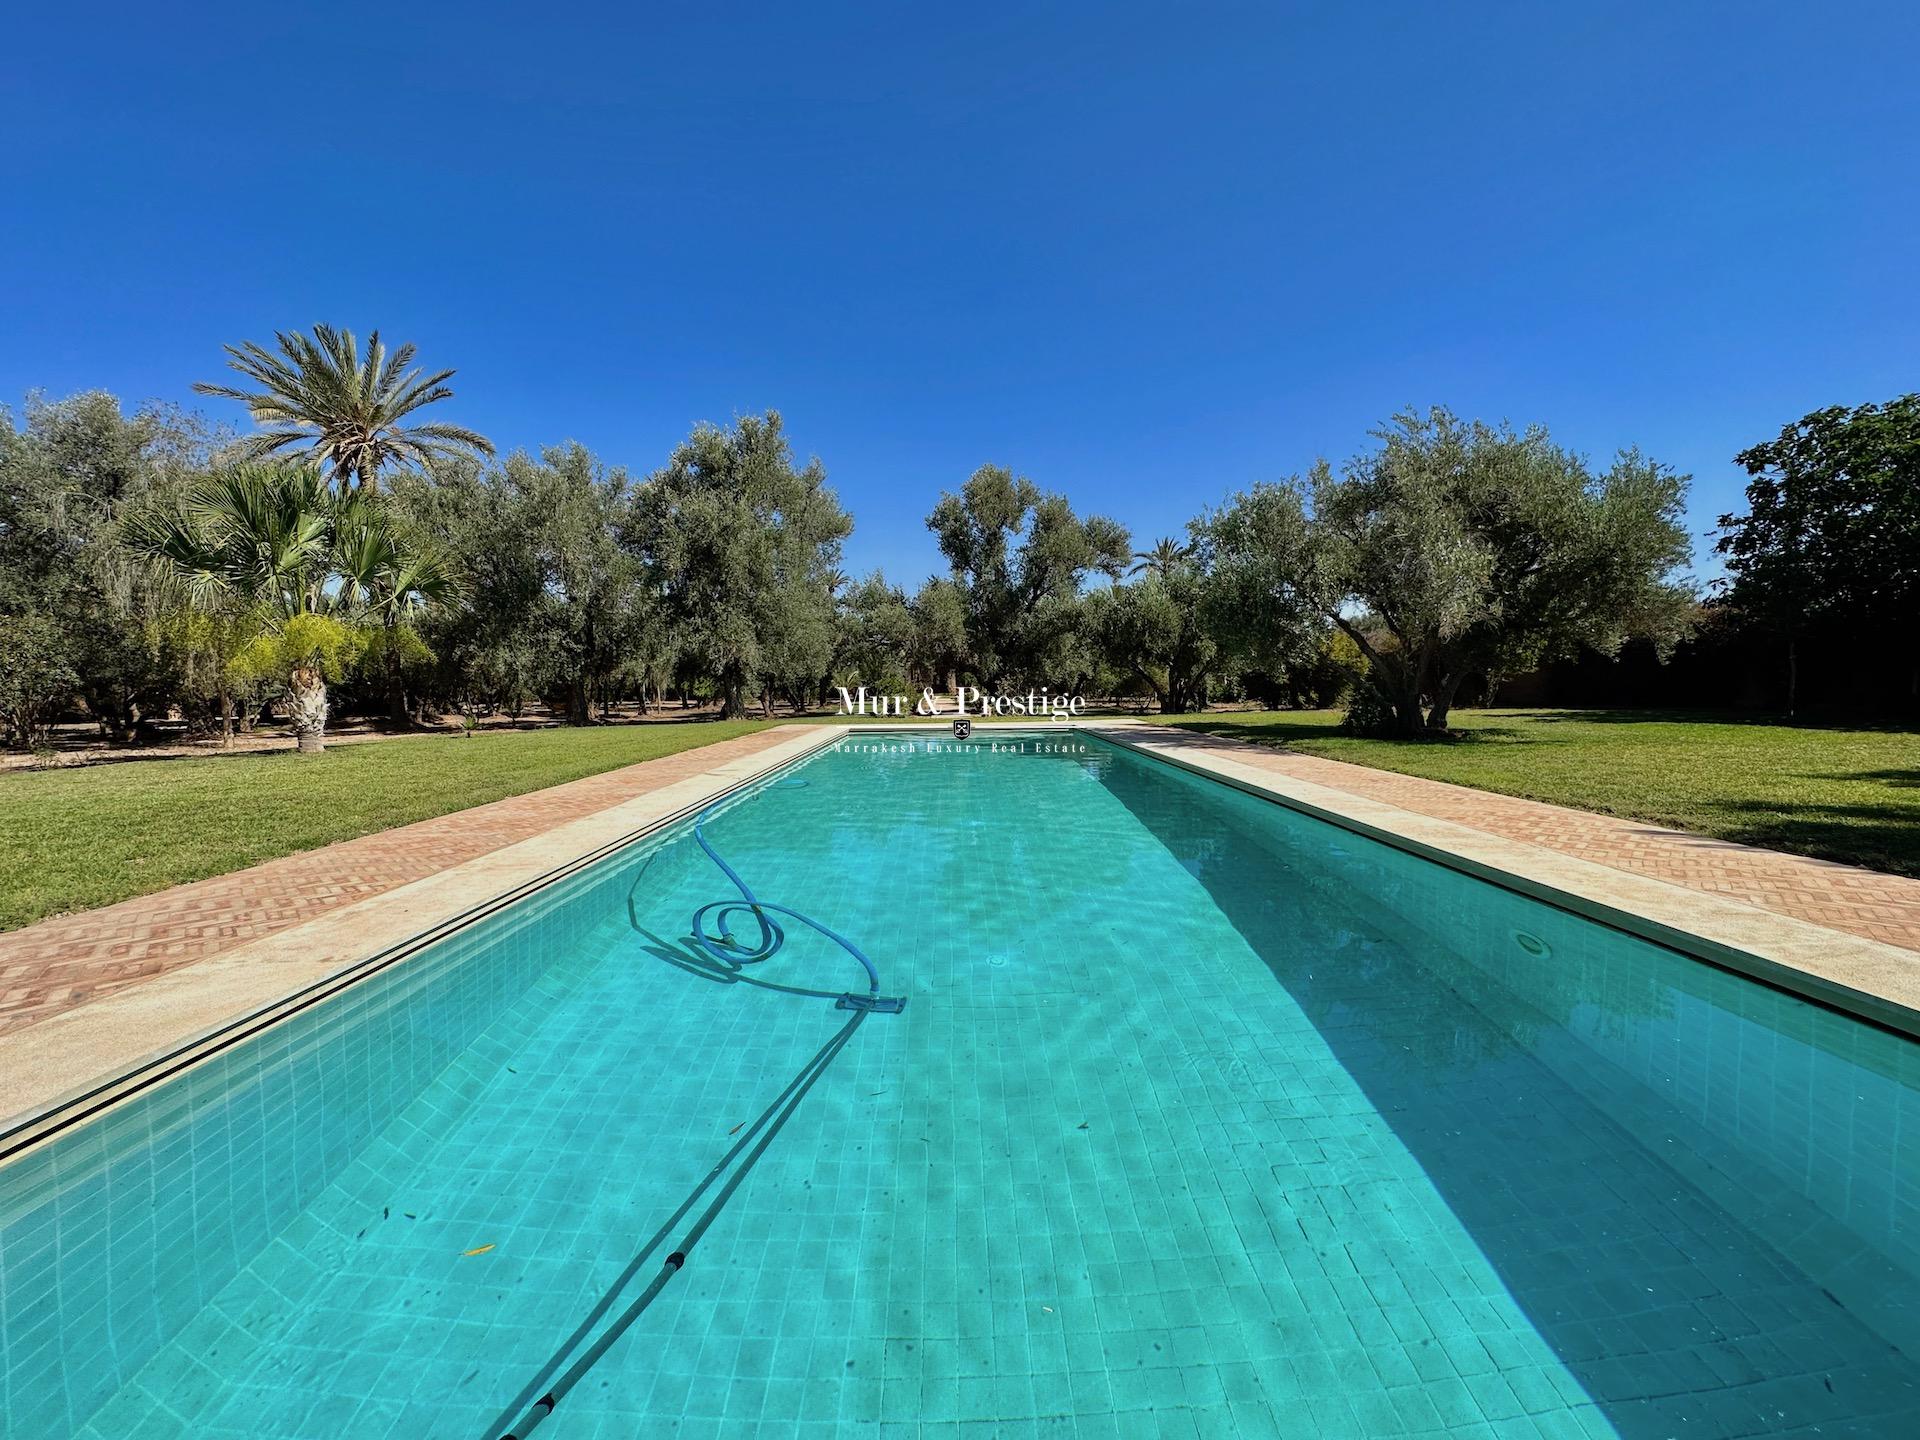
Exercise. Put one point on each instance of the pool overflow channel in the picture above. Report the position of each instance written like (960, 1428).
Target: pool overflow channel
(729, 957)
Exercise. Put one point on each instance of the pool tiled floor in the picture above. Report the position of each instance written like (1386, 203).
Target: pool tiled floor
(1249, 1154)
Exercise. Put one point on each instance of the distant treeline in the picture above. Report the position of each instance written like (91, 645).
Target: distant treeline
(1844, 673)
(343, 555)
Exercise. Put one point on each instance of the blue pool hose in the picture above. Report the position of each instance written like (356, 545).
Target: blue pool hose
(724, 950)
(526, 1411)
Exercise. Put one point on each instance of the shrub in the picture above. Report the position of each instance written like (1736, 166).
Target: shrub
(1369, 712)
(36, 682)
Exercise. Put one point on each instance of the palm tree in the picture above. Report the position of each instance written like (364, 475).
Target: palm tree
(389, 576)
(262, 534)
(1162, 560)
(260, 541)
(318, 392)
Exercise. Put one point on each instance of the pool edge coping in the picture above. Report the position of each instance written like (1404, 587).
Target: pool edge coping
(1829, 967)
(1867, 979)
(64, 1093)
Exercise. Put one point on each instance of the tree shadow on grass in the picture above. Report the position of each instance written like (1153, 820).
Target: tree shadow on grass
(1877, 837)
(1755, 719)
(1278, 734)
(1271, 735)
(1905, 779)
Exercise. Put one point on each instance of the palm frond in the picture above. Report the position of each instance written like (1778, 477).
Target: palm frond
(344, 404)
(456, 436)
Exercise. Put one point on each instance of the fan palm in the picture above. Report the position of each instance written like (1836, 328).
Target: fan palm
(319, 392)
(1162, 560)
(389, 575)
(261, 541)
(260, 535)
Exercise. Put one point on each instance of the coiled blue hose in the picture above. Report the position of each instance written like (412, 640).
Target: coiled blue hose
(727, 955)
(721, 947)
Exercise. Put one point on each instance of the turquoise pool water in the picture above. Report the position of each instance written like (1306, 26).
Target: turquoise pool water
(1203, 1118)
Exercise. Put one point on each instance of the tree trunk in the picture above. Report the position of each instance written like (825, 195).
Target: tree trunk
(116, 715)
(733, 694)
(1409, 718)
(1175, 698)
(1793, 673)
(579, 703)
(396, 688)
(307, 709)
(1443, 702)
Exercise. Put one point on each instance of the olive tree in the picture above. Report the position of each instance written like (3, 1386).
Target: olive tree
(742, 551)
(1457, 549)
(876, 640)
(591, 603)
(36, 679)
(1154, 631)
(74, 474)
(939, 646)
(492, 651)
(1019, 558)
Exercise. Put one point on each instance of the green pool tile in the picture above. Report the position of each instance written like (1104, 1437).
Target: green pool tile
(1202, 1119)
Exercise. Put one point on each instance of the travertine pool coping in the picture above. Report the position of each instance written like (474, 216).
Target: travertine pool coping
(74, 1064)
(1878, 982)
(79, 1062)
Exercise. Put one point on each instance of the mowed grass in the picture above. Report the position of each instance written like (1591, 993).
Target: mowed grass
(1850, 795)
(76, 838)
(79, 838)
(73, 839)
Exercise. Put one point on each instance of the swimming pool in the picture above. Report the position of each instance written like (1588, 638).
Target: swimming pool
(1203, 1117)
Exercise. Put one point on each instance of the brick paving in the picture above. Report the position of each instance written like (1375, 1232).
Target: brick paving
(67, 961)
(1860, 902)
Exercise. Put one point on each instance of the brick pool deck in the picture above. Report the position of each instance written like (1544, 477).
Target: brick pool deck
(1859, 902)
(64, 963)
(70, 960)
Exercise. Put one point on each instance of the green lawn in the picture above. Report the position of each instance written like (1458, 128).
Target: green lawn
(1847, 795)
(83, 837)
(88, 836)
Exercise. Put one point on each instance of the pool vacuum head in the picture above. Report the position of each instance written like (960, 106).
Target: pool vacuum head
(885, 1004)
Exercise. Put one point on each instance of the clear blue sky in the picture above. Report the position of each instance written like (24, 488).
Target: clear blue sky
(1146, 254)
